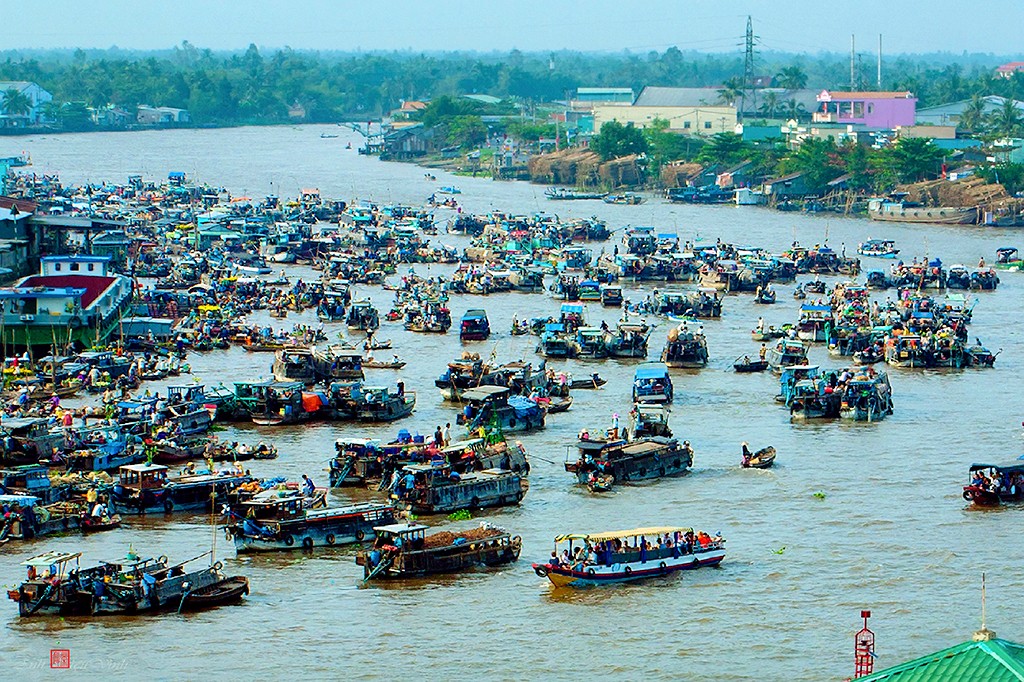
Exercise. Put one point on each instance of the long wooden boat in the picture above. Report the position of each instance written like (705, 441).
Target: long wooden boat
(591, 559)
(226, 591)
(405, 551)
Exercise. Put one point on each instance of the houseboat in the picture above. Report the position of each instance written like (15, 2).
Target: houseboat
(867, 397)
(685, 349)
(404, 550)
(75, 299)
(785, 353)
(622, 556)
(362, 316)
(652, 383)
(149, 489)
(899, 210)
(295, 363)
(474, 326)
(495, 408)
(381, 404)
(281, 521)
(434, 488)
(637, 460)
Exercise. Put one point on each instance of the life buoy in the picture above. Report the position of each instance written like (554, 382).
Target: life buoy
(289, 540)
(168, 506)
(663, 566)
(541, 571)
(628, 570)
(968, 495)
(360, 535)
(330, 538)
(218, 565)
(591, 571)
(307, 543)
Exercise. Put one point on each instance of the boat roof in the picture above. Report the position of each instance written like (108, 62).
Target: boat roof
(572, 308)
(1006, 468)
(143, 467)
(358, 441)
(651, 370)
(400, 528)
(22, 500)
(52, 557)
(458, 446)
(616, 534)
(483, 392)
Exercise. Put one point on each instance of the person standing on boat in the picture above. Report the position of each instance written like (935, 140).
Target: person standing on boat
(763, 351)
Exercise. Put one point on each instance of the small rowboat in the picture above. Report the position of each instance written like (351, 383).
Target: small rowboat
(768, 334)
(765, 297)
(601, 484)
(226, 591)
(749, 365)
(762, 459)
(377, 364)
(591, 382)
(815, 287)
(557, 405)
(380, 345)
(283, 312)
(90, 526)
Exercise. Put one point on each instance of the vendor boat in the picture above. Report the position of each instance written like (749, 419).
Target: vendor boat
(438, 489)
(148, 489)
(878, 248)
(404, 550)
(786, 353)
(637, 460)
(685, 349)
(744, 364)
(623, 556)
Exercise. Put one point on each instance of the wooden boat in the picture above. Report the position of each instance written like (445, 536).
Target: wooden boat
(762, 459)
(405, 551)
(765, 297)
(637, 460)
(379, 345)
(991, 485)
(226, 591)
(745, 364)
(98, 526)
(769, 334)
(593, 382)
(279, 313)
(622, 556)
(600, 484)
(379, 364)
(556, 405)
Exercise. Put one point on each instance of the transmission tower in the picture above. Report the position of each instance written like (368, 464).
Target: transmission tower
(748, 63)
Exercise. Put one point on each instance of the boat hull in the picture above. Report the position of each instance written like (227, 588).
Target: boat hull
(617, 573)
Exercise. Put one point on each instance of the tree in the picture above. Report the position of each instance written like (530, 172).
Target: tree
(973, 117)
(1006, 120)
(16, 103)
(725, 148)
(465, 131)
(770, 104)
(732, 89)
(791, 78)
(817, 159)
(617, 140)
(915, 158)
(1009, 175)
(857, 165)
(794, 109)
(666, 146)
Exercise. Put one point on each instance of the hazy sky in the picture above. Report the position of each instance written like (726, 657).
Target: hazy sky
(599, 25)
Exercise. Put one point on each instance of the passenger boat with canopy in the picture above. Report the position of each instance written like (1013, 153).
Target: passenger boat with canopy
(991, 485)
(620, 556)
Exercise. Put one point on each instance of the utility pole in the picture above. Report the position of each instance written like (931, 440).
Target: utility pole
(852, 58)
(879, 62)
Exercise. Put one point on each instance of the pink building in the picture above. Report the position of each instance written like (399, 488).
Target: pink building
(884, 110)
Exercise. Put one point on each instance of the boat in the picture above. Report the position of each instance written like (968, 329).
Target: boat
(295, 363)
(436, 488)
(148, 489)
(878, 248)
(362, 316)
(745, 364)
(685, 349)
(564, 194)
(762, 459)
(474, 326)
(282, 520)
(495, 407)
(404, 550)
(593, 381)
(381, 404)
(1008, 258)
(814, 319)
(626, 199)
(867, 396)
(448, 189)
(652, 383)
(636, 460)
(591, 559)
(785, 353)
(611, 295)
(650, 419)
(991, 485)
(226, 591)
(769, 334)
(370, 363)
(765, 296)
(899, 210)
(98, 525)
(628, 340)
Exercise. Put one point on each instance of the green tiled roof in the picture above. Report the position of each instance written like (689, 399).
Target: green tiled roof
(996, 660)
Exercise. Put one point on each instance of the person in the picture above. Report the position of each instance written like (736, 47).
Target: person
(763, 351)
(760, 325)
(307, 485)
(438, 437)
(447, 435)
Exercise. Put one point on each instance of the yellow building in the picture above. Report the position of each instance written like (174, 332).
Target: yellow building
(693, 111)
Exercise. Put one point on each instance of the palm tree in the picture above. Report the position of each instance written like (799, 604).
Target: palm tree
(791, 78)
(16, 103)
(973, 116)
(731, 90)
(1007, 119)
(50, 111)
(770, 104)
(794, 109)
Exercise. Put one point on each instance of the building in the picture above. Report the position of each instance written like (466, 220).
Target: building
(586, 98)
(148, 115)
(986, 658)
(694, 111)
(949, 114)
(878, 110)
(408, 142)
(408, 109)
(36, 96)
(1007, 70)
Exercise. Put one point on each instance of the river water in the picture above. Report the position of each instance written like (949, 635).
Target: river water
(889, 532)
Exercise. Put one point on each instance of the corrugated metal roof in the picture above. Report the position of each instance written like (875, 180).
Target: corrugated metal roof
(996, 660)
(652, 96)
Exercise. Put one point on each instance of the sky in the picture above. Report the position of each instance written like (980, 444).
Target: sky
(907, 26)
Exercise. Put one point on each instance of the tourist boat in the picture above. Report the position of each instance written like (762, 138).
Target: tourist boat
(474, 326)
(611, 295)
(991, 485)
(814, 319)
(637, 460)
(564, 194)
(449, 190)
(867, 397)
(745, 364)
(495, 407)
(362, 316)
(652, 383)
(1008, 258)
(404, 550)
(622, 556)
(370, 363)
(958, 277)
(650, 419)
(685, 349)
(273, 520)
(786, 353)
(435, 488)
(295, 363)
(148, 489)
(878, 248)
(907, 212)
(762, 459)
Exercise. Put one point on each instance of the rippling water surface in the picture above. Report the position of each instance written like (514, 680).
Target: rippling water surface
(890, 532)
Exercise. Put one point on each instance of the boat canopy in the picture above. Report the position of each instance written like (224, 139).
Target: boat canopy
(572, 308)
(50, 558)
(1006, 469)
(651, 370)
(617, 534)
